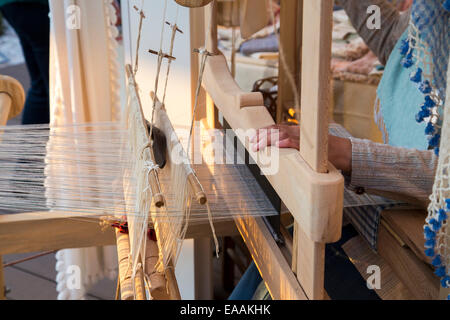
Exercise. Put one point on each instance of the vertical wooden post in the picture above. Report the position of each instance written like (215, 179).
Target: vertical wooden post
(316, 75)
(291, 42)
(203, 269)
(197, 40)
(172, 285)
(123, 250)
(211, 27)
(315, 98)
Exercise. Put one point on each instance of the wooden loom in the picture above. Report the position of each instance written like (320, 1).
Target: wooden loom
(309, 186)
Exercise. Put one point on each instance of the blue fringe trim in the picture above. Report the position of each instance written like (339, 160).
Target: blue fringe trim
(425, 88)
(430, 230)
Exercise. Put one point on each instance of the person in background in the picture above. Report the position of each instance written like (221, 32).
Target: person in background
(30, 20)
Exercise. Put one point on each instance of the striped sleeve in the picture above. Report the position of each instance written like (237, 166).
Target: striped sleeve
(383, 168)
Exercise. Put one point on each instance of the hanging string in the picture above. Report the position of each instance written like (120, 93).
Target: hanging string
(158, 68)
(204, 54)
(172, 42)
(138, 41)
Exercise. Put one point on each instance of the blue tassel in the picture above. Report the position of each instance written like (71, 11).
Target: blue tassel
(436, 225)
(404, 47)
(440, 272)
(434, 141)
(447, 202)
(436, 261)
(417, 76)
(420, 117)
(407, 61)
(446, 5)
(431, 243)
(436, 152)
(425, 87)
(429, 234)
(429, 103)
(429, 129)
(429, 252)
(442, 215)
(445, 282)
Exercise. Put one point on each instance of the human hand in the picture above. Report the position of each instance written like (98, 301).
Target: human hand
(281, 136)
(288, 136)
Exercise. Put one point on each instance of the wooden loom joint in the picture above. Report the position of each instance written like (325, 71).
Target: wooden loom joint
(197, 189)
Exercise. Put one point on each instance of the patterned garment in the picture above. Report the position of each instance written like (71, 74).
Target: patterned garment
(361, 209)
(431, 20)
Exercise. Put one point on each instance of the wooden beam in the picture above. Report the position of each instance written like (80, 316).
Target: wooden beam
(408, 226)
(123, 251)
(45, 231)
(290, 42)
(310, 264)
(316, 76)
(203, 269)
(172, 284)
(273, 267)
(211, 27)
(415, 274)
(254, 16)
(315, 99)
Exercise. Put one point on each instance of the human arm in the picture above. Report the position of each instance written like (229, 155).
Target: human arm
(406, 174)
(393, 23)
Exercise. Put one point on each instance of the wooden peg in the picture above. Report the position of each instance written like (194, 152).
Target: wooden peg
(164, 55)
(203, 51)
(141, 12)
(197, 189)
(158, 197)
(174, 27)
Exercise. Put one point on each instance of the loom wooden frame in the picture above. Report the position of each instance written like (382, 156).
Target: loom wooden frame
(28, 232)
(310, 187)
(244, 110)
